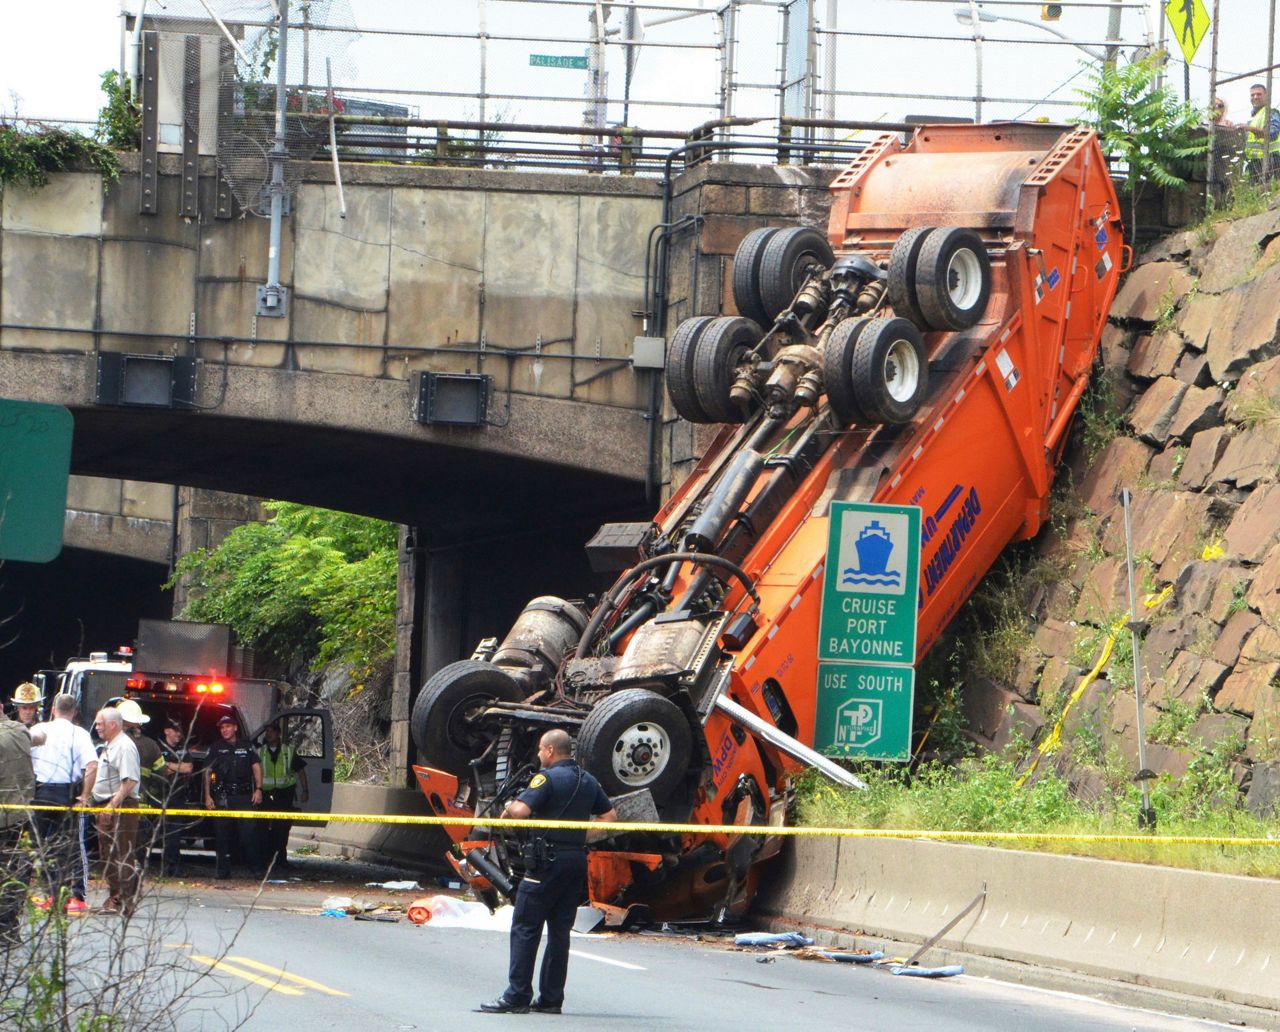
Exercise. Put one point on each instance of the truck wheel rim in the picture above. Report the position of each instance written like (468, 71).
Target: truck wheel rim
(901, 371)
(964, 279)
(640, 754)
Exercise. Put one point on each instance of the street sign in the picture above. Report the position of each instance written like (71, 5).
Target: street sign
(558, 61)
(864, 711)
(1190, 22)
(35, 457)
(871, 584)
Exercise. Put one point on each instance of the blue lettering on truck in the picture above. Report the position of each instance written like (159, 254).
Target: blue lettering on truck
(953, 541)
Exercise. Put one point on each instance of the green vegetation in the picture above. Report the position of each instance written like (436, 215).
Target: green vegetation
(1258, 409)
(1244, 198)
(31, 152)
(1143, 124)
(1101, 414)
(983, 795)
(1176, 720)
(1166, 310)
(119, 122)
(309, 587)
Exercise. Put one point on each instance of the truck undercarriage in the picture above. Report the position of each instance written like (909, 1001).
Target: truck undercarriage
(928, 350)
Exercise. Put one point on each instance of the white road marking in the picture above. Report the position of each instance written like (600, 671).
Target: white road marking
(607, 960)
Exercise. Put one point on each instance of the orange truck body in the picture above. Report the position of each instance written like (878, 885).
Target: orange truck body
(978, 458)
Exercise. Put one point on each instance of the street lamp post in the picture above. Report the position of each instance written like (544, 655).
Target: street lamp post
(972, 16)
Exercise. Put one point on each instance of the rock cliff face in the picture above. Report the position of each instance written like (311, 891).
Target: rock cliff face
(1186, 415)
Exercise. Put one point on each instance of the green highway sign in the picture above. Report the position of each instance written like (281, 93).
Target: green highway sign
(871, 585)
(864, 711)
(557, 61)
(35, 457)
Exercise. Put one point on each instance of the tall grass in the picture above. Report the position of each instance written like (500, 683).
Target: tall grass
(982, 795)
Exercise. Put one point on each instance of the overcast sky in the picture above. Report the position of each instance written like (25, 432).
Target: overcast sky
(52, 55)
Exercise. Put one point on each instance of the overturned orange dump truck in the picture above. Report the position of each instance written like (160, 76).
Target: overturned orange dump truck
(928, 351)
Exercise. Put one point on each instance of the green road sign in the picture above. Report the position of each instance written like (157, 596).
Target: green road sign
(35, 456)
(871, 584)
(558, 61)
(864, 711)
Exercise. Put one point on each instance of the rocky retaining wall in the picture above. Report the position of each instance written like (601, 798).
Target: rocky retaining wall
(1186, 415)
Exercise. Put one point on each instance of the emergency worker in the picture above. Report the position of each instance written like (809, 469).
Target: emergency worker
(555, 881)
(27, 699)
(151, 763)
(284, 772)
(179, 773)
(114, 786)
(233, 781)
(17, 787)
(62, 765)
(1262, 134)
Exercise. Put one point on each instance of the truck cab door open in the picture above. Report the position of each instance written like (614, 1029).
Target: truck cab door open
(310, 733)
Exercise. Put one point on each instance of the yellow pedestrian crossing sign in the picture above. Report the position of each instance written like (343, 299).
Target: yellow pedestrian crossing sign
(1190, 22)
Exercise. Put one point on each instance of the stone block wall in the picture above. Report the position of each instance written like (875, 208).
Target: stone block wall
(1189, 394)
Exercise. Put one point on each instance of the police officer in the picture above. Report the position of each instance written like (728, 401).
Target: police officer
(233, 781)
(179, 773)
(283, 772)
(555, 876)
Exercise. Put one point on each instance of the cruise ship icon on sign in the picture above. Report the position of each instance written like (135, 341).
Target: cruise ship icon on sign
(874, 546)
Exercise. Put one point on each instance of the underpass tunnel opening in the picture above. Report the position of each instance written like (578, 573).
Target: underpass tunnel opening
(81, 602)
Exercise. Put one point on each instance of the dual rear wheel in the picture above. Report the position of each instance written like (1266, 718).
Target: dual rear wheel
(940, 279)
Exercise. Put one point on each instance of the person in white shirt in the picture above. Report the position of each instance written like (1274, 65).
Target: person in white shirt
(61, 765)
(115, 786)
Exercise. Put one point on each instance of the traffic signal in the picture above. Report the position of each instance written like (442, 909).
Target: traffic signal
(1050, 12)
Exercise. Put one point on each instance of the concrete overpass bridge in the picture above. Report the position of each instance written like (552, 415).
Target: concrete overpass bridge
(536, 281)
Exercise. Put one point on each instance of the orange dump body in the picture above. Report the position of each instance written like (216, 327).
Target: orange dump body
(978, 458)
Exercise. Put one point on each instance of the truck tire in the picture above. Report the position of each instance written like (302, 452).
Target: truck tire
(680, 356)
(837, 370)
(890, 370)
(746, 274)
(902, 274)
(438, 721)
(789, 257)
(720, 346)
(636, 739)
(953, 279)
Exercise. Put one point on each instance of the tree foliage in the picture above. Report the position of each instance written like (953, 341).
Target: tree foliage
(308, 587)
(1142, 123)
(30, 152)
(119, 122)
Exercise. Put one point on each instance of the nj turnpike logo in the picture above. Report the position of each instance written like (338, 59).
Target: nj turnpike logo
(858, 723)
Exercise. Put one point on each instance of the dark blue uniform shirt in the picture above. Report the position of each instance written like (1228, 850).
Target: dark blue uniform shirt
(565, 792)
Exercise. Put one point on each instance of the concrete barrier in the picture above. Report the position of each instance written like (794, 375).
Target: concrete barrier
(1208, 935)
(417, 846)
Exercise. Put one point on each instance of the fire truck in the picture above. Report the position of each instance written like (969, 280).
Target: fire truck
(928, 350)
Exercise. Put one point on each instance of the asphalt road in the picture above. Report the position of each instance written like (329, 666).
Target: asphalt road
(282, 965)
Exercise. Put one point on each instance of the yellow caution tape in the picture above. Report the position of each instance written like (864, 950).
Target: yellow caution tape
(1054, 738)
(680, 829)
(1213, 550)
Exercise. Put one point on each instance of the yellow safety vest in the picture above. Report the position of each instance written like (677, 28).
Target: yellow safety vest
(1253, 144)
(277, 773)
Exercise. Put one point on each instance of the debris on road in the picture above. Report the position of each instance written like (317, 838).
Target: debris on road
(842, 956)
(394, 886)
(921, 972)
(451, 912)
(780, 940)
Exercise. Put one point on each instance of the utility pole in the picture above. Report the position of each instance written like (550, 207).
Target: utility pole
(273, 298)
